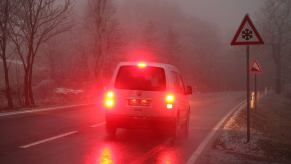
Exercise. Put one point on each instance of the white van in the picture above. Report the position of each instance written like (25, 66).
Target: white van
(147, 95)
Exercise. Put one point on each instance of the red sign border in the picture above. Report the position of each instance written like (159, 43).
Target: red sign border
(256, 72)
(245, 20)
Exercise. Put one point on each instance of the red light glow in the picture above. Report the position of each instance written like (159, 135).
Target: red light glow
(106, 156)
(109, 94)
(140, 54)
(141, 65)
(103, 154)
(170, 98)
(169, 156)
(109, 101)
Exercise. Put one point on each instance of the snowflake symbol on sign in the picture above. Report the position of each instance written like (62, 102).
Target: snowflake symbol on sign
(247, 34)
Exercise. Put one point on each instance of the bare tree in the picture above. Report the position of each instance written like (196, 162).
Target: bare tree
(104, 29)
(35, 22)
(51, 59)
(6, 7)
(276, 21)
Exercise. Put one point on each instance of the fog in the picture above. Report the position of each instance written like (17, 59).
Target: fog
(224, 14)
(227, 14)
(193, 35)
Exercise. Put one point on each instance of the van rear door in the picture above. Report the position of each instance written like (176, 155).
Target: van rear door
(140, 91)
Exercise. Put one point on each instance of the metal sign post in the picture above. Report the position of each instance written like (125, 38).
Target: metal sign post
(247, 35)
(255, 69)
(248, 93)
(255, 90)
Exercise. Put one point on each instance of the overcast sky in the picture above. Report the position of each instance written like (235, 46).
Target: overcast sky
(227, 14)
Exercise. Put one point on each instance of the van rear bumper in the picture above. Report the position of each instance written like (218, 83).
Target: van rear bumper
(121, 121)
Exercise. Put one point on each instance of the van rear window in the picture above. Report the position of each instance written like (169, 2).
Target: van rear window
(146, 79)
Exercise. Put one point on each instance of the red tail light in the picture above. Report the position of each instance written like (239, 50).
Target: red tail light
(141, 65)
(109, 100)
(170, 99)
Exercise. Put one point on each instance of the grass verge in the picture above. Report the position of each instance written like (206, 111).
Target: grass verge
(270, 135)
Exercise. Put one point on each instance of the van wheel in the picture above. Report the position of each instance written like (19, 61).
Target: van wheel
(110, 130)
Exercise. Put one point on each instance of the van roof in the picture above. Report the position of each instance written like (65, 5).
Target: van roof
(153, 64)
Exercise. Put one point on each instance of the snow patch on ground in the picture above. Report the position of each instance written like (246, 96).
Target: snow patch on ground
(234, 138)
(68, 91)
(269, 138)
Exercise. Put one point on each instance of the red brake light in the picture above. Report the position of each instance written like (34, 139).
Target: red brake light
(109, 101)
(170, 99)
(141, 65)
(110, 94)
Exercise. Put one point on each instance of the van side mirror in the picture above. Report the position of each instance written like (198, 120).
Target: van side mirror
(188, 90)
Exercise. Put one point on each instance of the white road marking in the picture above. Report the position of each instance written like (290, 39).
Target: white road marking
(98, 124)
(41, 110)
(208, 138)
(48, 139)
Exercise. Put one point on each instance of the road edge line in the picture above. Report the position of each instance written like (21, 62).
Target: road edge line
(47, 139)
(195, 155)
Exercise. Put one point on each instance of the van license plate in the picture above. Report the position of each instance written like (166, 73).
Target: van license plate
(139, 102)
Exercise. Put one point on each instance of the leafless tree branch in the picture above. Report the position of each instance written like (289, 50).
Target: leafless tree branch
(36, 22)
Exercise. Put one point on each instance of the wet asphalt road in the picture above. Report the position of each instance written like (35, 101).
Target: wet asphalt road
(77, 135)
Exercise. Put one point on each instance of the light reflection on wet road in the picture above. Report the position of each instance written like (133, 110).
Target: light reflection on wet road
(90, 145)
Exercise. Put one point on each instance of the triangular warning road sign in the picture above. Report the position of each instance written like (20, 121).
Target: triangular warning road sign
(247, 34)
(256, 68)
